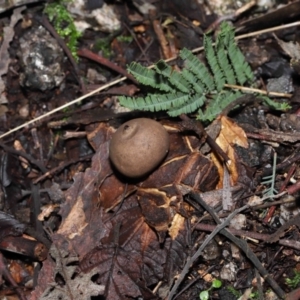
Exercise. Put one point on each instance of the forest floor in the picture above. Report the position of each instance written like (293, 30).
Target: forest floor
(217, 217)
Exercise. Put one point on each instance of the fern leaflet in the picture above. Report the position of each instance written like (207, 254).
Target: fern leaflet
(275, 105)
(271, 191)
(174, 77)
(192, 79)
(149, 77)
(155, 102)
(213, 63)
(198, 68)
(194, 103)
(223, 59)
(241, 68)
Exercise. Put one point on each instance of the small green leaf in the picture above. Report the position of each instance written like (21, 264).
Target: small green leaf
(204, 295)
(274, 104)
(293, 282)
(190, 107)
(216, 283)
(64, 24)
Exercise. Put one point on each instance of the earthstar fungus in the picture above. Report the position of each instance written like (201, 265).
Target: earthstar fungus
(138, 147)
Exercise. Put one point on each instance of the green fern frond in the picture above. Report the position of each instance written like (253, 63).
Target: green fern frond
(155, 102)
(217, 104)
(149, 77)
(173, 76)
(192, 79)
(198, 86)
(194, 103)
(214, 63)
(241, 68)
(222, 56)
(226, 33)
(193, 64)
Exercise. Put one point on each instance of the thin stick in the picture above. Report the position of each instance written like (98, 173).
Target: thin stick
(105, 62)
(255, 33)
(253, 90)
(244, 247)
(191, 260)
(247, 35)
(63, 107)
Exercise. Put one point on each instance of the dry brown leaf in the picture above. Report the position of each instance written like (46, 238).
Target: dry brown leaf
(71, 286)
(184, 169)
(176, 226)
(230, 134)
(130, 253)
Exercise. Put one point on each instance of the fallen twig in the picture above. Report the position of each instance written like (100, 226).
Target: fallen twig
(252, 235)
(191, 260)
(21, 153)
(242, 245)
(105, 62)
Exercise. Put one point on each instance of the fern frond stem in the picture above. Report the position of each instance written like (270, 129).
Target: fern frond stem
(258, 91)
(245, 99)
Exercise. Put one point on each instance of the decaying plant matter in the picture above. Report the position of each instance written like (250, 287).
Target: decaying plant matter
(94, 206)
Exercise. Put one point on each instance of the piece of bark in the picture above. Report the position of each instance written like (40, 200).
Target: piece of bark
(21, 245)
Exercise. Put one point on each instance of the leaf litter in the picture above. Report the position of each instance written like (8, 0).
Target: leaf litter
(109, 226)
(131, 239)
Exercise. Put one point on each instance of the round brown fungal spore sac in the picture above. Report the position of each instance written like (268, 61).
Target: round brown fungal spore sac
(138, 147)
